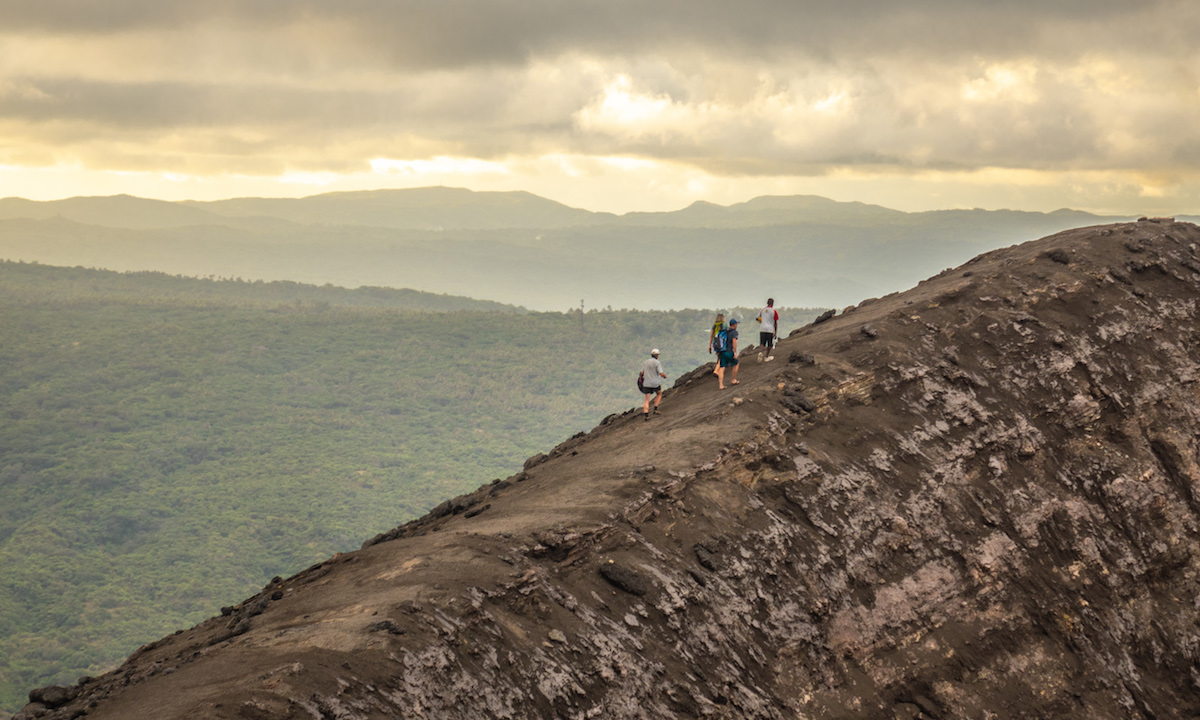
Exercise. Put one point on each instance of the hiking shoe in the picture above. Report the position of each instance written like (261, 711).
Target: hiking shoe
(656, 412)
(760, 357)
(646, 417)
(770, 358)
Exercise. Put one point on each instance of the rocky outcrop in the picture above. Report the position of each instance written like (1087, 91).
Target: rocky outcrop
(976, 499)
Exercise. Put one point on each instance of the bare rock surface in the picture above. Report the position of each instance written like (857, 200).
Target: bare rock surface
(976, 499)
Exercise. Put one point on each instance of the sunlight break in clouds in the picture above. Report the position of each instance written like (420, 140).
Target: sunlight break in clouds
(622, 112)
(1007, 83)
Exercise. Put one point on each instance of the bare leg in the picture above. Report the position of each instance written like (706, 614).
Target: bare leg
(720, 371)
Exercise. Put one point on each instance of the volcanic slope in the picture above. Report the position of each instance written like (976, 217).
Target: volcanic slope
(976, 499)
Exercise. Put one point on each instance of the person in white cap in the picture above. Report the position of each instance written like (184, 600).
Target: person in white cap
(650, 383)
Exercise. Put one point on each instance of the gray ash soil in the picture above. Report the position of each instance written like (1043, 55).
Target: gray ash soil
(976, 499)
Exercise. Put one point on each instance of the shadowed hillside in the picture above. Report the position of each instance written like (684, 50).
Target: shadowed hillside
(524, 250)
(978, 498)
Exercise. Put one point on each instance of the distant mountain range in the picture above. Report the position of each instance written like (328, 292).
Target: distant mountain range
(435, 208)
(518, 248)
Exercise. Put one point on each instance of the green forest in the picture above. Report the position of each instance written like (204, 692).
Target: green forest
(169, 444)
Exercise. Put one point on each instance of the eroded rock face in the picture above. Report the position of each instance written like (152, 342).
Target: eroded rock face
(988, 506)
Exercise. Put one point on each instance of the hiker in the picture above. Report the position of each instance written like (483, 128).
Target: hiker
(725, 343)
(718, 326)
(768, 319)
(650, 383)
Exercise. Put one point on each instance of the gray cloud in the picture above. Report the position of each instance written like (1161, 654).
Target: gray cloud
(771, 87)
(454, 33)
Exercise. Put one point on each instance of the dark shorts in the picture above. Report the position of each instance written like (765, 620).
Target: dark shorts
(648, 390)
(766, 339)
(726, 358)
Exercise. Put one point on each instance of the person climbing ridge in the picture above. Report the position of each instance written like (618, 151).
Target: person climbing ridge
(768, 318)
(725, 345)
(650, 383)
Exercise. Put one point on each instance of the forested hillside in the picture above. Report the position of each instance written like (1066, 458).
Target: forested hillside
(42, 284)
(169, 444)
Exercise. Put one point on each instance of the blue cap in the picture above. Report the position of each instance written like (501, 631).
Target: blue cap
(733, 321)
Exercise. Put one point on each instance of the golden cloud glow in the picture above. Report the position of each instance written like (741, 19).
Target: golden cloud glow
(437, 166)
(1016, 83)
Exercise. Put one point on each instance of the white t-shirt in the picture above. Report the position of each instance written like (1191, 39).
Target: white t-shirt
(650, 373)
(769, 317)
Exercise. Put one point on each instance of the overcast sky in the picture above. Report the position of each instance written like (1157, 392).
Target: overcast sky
(614, 105)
